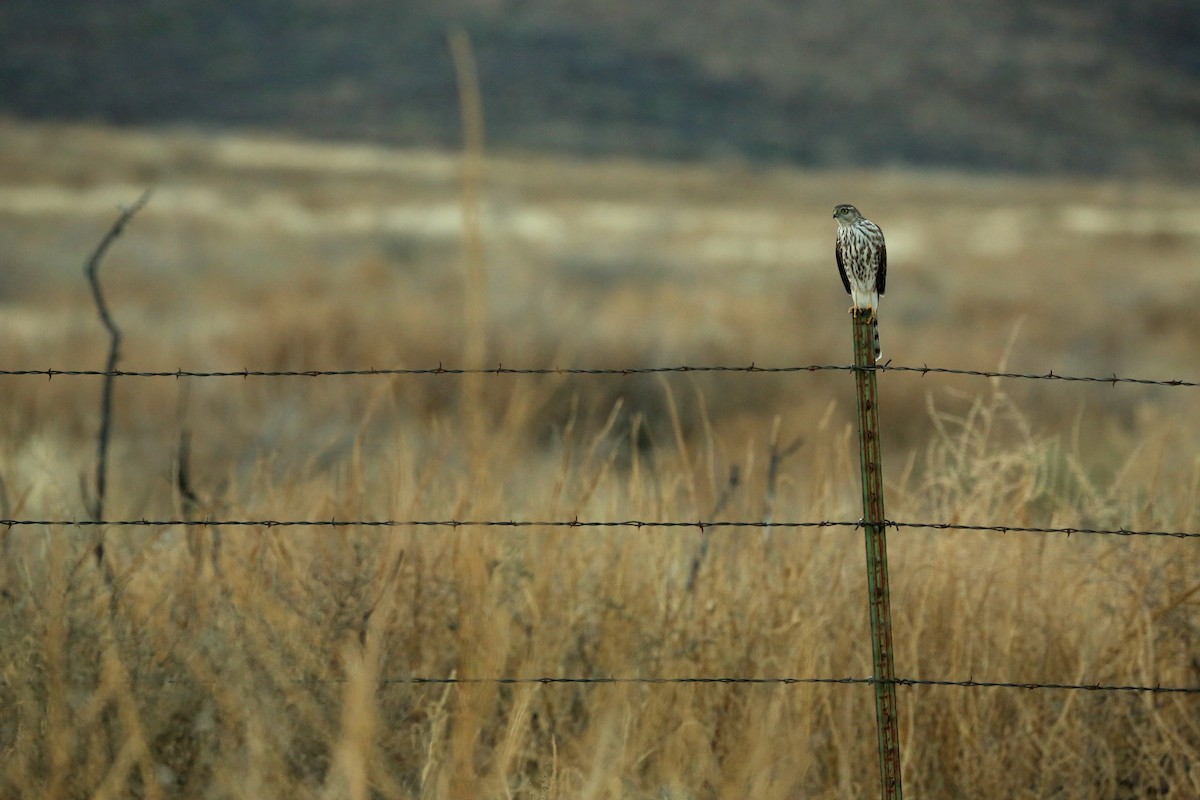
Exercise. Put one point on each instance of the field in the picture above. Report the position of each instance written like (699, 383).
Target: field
(251, 661)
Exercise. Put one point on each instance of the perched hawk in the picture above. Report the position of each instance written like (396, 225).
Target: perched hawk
(862, 261)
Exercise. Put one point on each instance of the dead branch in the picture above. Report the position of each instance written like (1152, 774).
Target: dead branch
(91, 270)
(778, 454)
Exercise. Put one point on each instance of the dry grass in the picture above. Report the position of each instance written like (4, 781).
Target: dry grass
(248, 662)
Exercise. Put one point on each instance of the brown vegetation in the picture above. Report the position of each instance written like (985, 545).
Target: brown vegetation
(245, 661)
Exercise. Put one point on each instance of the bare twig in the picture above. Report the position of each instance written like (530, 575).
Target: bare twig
(189, 500)
(205, 544)
(731, 486)
(91, 270)
(777, 456)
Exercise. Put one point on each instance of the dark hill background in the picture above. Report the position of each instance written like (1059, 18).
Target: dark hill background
(1105, 86)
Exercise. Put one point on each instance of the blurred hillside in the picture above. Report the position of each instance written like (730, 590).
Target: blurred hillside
(1102, 86)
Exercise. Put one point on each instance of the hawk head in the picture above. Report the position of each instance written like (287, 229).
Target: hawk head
(846, 214)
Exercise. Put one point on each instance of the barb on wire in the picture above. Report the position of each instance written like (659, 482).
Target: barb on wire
(500, 369)
(700, 525)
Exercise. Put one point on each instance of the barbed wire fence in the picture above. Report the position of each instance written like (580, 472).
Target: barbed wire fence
(51, 373)
(98, 522)
(700, 524)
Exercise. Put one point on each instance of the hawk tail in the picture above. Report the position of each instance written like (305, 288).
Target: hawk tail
(875, 331)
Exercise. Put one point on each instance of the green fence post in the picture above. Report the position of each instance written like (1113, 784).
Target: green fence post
(875, 532)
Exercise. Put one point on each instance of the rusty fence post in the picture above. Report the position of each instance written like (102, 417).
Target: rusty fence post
(875, 532)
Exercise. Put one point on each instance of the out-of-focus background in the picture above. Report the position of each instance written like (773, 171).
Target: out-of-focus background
(656, 189)
(1102, 88)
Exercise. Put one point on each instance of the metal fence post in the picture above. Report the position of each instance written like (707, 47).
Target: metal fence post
(875, 532)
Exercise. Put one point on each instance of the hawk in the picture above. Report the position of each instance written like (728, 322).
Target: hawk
(862, 262)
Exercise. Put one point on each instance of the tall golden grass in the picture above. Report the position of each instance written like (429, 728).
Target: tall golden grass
(251, 662)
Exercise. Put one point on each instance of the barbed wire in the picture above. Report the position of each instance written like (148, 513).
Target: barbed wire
(500, 369)
(1045, 376)
(969, 683)
(556, 680)
(958, 526)
(700, 525)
